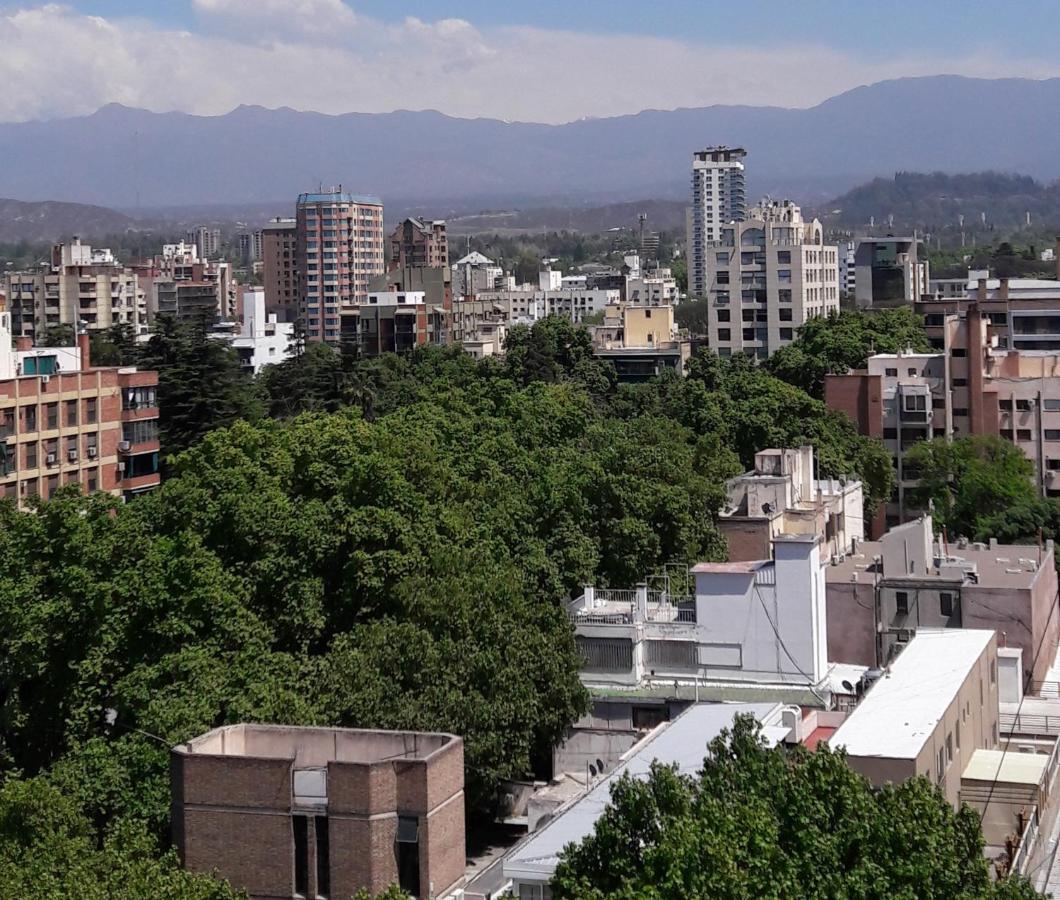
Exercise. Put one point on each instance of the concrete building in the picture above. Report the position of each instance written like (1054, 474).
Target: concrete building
(782, 495)
(641, 342)
(531, 864)
(206, 240)
(486, 340)
(881, 595)
(936, 705)
(79, 285)
(719, 196)
(475, 273)
(760, 625)
(63, 422)
(250, 247)
(391, 322)
(418, 243)
(187, 301)
(765, 277)
(847, 269)
(321, 812)
(279, 252)
(340, 248)
(181, 264)
(262, 340)
(890, 272)
(652, 287)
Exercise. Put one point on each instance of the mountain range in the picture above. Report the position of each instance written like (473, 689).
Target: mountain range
(137, 160)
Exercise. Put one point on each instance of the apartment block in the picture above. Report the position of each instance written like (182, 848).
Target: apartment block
(391, 322)
(474, 273)
(63, 422)
(890, 272)
(765, 277)
(250, 246)
(79, 285)
(883, 592)
(206, 240)
(418, 243)
(719, 197)
(782, 495)
(340, 248)
(927, 716)
(321, 812)
(260, 339)
(279, 252)
(641, 342)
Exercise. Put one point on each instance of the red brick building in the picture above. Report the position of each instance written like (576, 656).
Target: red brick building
(418, 243)
(63, 422)
(321, 812)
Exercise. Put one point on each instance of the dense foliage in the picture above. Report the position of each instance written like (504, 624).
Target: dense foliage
(975, 485)
(390, 546)
(845, 340)
(772, 823)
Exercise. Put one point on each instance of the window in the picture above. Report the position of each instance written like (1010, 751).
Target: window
(1051, 405)
(724, 334)
(1052, 434)
(949, 748)
(299, 827)
(29, 418)
(960, 411)
(323, 857)
(1023, 434)
(408, 854)
(891, 373)
(140, 432)
(1007, 433)
(748, 334)
(786, 334)
(946, 604)
(890, 434)
(993, 731)
(993, 671)
(784, 257)
(901, 602)
(723, 277)
(535, 892)
(784, 295)
(723, 315)
(938, 403)
(1005, 405)
(1023, 405)
(53, 485)
(92, 480)
(748, 315)
(138, 398)
(958, 353)
(960, 382)
(911, 372)
(915, 402)
(31, 455)
(71, 413)
(785, 315)
(784, 276)
(941, 763)
(91, 411)
(51, 416)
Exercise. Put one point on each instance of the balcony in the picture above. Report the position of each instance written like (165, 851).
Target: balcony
(636, 606)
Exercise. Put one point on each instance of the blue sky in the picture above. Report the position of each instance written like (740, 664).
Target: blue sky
(546, 60)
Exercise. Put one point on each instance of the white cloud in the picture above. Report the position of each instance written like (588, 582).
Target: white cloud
(322, 55)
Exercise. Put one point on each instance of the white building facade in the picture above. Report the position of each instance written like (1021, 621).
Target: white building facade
(719, 196)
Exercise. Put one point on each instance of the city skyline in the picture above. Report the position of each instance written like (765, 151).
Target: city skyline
(474, 59)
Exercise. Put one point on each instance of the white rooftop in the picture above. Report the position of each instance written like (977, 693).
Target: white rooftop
(1010, 767)
(901, 710)
(682, 741)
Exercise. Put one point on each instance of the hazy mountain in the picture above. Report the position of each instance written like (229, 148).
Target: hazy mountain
(50, 221)
(134, 159)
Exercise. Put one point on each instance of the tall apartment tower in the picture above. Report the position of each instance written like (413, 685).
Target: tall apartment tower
(340, 246)
(419, 242)
(207, 241)
(719, 196)
(279, 253)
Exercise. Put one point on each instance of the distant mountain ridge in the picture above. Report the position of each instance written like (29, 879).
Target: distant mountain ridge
(937, 200)
(138, 160)
(49, 221)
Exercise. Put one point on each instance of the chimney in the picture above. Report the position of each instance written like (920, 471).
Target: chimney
(85, 345)
(23, 343)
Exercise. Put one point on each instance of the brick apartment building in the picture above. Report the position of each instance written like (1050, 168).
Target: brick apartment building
(418, 242)
(321, 812)
(63, 422)
(279, 253)
(392, 322)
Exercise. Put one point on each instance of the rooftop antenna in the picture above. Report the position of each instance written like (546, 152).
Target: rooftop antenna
(642, 218)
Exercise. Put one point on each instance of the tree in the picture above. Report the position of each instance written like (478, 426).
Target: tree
(768, 822)
(116, 346)
(694, 315)
(57, 336)
(843, 341)
(971, 480)
(311, 381)
(200, 385)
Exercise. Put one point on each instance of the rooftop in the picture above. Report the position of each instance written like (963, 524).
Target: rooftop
(309, 747)
(682, 742)
(997, 567)
(1011, 768)
(900, 711)
(730, 568)
(339, 197)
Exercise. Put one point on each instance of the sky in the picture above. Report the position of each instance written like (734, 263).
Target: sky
(542, 60)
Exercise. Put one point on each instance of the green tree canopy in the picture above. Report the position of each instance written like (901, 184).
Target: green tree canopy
(845, 340)
(971, 480)
(772, 823)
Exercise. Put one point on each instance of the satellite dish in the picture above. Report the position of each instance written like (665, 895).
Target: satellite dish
(600, 765)
(847, 686)
(592, 770)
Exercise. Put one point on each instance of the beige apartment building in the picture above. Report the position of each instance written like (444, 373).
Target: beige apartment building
(934, 707)
(340, 248)
(765, 277)
(79, 285)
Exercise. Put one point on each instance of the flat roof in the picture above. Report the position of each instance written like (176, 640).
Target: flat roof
(730, 568)
(682, 741)
(1011, 767)
(900, 711)
(991, 572)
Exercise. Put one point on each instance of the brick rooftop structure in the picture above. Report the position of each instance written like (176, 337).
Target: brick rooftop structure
(321, 812)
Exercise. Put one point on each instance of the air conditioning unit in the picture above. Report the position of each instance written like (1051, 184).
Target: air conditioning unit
(50, 459)
(93, 452)
(124, 446)
(44, 379)
(71, 455)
